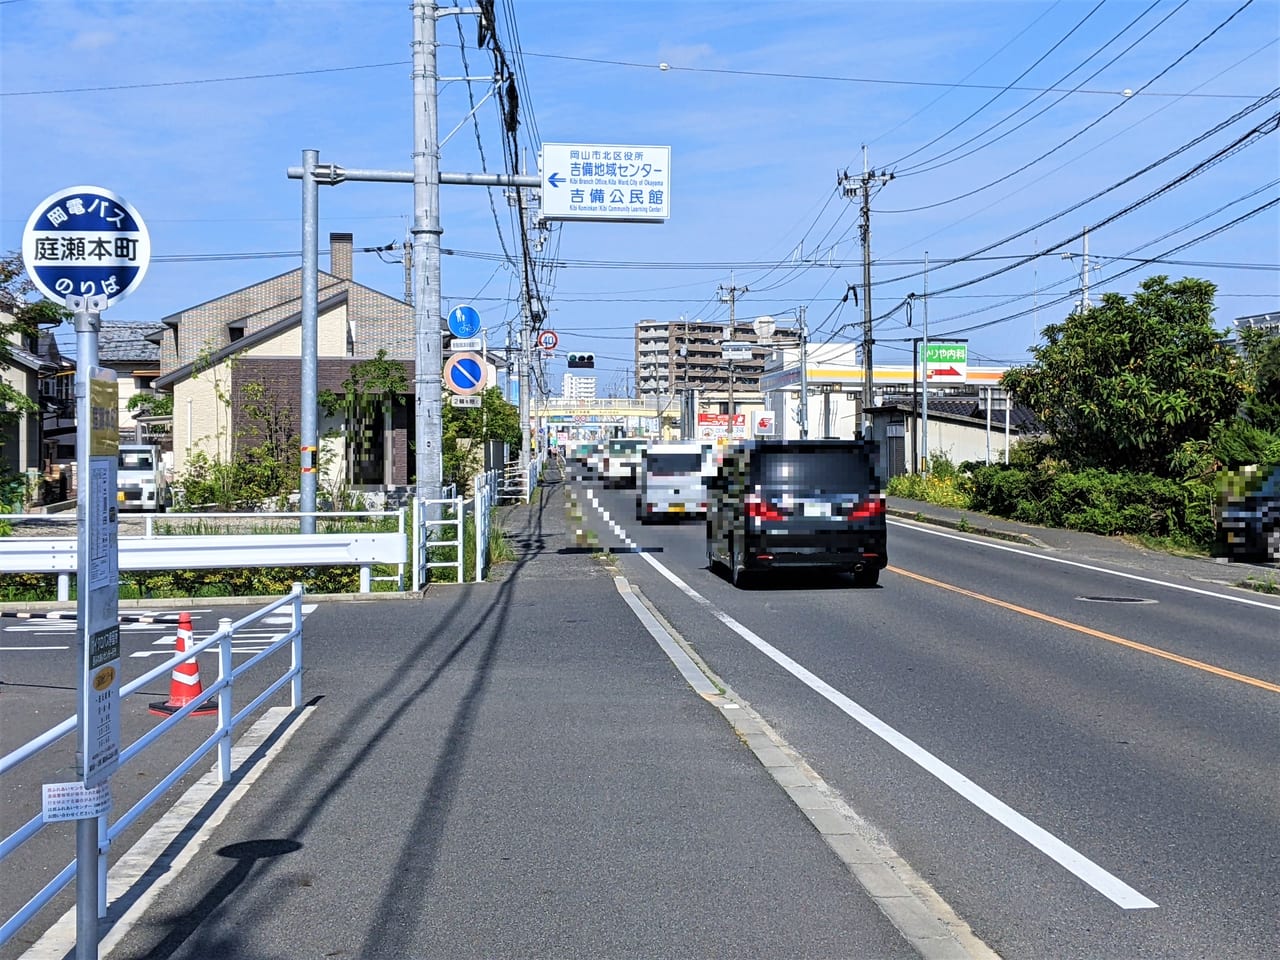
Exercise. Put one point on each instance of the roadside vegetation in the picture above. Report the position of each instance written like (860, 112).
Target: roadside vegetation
(1148, 417)
(261, 476)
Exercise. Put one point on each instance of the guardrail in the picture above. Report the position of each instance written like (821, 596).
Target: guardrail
(219, 550)
(221, 738)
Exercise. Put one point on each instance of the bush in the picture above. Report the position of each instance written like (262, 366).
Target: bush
(1097, 501)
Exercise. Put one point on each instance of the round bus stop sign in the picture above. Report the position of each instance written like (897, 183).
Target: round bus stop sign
(86, 241)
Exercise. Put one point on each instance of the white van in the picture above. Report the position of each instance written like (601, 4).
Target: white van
(673, 481)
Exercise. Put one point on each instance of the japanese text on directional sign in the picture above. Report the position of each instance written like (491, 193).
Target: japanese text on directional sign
(946, 362)
(86, 241)
(465, 373)
(610, 183)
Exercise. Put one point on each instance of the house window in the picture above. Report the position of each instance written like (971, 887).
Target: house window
(235, 333)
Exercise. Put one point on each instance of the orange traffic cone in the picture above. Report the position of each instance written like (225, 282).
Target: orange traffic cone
(184, 685)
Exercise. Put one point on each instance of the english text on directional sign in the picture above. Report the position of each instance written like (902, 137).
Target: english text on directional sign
(616, 183)
(86, 241)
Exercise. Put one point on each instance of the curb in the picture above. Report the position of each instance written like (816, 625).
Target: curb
(964, 526)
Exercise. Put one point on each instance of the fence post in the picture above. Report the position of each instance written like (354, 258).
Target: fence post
(296, 647)
(480, 512)
(224, 700)
(417, 563)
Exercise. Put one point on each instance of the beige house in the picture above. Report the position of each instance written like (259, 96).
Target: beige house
(20, 448)
(233, 365)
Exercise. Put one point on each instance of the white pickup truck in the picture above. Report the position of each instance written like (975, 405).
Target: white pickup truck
(141, 479)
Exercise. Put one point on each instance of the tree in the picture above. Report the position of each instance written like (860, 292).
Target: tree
(495, 419)
(370, 393)
(1123, 385)
(20, 318)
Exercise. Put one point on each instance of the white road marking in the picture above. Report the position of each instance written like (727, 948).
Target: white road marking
(15, 649)
(617, 529)
(1110, 886)
(992, 545)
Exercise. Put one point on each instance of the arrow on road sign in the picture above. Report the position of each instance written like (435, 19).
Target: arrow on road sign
(555, 180)
(944, 372)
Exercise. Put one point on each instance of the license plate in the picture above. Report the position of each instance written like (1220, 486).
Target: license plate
(817, 509)
(677, 508)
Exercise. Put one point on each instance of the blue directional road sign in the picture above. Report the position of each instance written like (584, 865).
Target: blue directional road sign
(464, 321)
(86, 241)
(465, 373)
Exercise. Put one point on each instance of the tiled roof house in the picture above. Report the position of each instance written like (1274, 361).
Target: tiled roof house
(211, 355)
(127, 347)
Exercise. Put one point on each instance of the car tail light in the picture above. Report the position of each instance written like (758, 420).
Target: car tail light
(760, 510)
(868, 509)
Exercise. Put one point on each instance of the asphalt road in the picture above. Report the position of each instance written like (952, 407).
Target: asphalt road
(1083, 764)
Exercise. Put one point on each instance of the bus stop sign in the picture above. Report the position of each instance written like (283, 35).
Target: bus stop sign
(86, 241)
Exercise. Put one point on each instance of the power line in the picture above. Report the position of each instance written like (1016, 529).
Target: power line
(779, 75)
(1000, 93)
(1070, 139)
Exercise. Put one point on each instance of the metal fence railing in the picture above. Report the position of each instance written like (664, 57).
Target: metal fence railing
(221, 738)
(439, 528)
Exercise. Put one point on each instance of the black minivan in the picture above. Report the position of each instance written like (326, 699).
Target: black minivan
(797, 503)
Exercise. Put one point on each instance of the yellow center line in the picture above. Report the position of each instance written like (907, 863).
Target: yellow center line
(1109, 637)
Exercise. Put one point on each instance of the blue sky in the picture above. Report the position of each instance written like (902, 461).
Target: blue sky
(193, 109)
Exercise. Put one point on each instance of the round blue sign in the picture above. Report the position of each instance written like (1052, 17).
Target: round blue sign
(465, 373)
(464, 321)
(86, 241)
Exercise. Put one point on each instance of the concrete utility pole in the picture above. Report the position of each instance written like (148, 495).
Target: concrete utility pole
(862, 188)
(729, 295)
(425, 250)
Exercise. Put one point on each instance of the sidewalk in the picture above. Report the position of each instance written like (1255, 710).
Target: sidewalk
(519, 769)
(1082, 546)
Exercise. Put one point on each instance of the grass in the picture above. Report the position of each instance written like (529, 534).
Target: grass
(1261, 584)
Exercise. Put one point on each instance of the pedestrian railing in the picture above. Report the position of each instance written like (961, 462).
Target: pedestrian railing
(440, 527)
(436, 524)
(221, 738)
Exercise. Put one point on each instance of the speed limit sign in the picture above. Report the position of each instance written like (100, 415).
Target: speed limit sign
(547, 340)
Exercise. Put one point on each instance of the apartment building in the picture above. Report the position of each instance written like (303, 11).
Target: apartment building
(674, 356)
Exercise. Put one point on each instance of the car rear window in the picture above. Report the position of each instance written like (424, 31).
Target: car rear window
(810, 472)
(135, 460)
(673, 464)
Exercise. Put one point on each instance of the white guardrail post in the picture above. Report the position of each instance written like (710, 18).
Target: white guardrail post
(225, 675)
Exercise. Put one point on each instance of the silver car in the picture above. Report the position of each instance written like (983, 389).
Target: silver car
(673, 481)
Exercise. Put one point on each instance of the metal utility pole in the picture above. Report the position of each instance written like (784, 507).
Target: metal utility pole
(862, 187)
(307, 427)
(804, 374)
(1085, 305)
(924, 395)
(729, 295)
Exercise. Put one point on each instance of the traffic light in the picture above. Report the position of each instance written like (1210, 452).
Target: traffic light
(582, 360)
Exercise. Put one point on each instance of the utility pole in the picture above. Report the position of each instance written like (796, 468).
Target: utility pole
(729, 295)
(804, 374)
(863, 187)
(1085, 305)
(429, 342)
